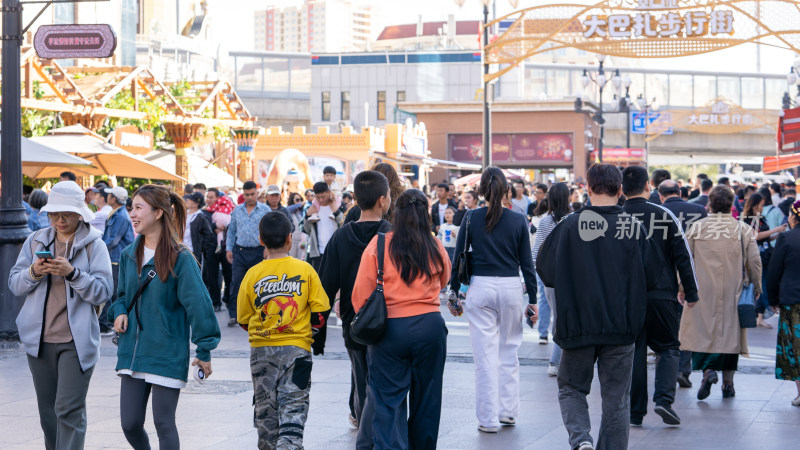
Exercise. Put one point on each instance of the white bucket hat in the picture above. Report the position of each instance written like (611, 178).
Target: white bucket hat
(67, 196)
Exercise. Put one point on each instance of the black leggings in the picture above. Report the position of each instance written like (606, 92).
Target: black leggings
(134, 394)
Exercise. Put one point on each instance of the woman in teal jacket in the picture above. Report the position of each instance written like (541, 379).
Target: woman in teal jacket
(153, 327)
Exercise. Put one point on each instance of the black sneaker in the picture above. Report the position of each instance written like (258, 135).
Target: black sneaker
(667, 414)
(232, 323)
(705, 388)
(636, 422)
(683, 381)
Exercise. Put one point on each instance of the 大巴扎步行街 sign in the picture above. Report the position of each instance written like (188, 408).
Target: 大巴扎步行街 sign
(667, 23)
(75, 41)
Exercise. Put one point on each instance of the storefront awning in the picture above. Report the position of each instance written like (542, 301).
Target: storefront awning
(404, 158)
(779, 163)
(453, 164)
(200, 170)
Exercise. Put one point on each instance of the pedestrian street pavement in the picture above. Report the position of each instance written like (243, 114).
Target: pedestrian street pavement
(219, 414)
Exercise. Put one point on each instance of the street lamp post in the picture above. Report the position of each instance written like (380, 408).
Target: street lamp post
(645, 108)
(624, 102)
(794, 80)
(487, 113)
(600, 80)
(13, 222)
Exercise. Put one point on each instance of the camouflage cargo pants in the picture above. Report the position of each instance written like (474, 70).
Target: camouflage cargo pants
(281, 383)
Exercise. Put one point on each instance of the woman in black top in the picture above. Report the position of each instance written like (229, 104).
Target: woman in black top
(752, 216)
(500, 249)
(783, 283)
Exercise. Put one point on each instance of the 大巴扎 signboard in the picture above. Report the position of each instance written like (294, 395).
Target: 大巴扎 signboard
(75, 41)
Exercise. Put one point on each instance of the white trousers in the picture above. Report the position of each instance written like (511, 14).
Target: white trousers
(494, 309)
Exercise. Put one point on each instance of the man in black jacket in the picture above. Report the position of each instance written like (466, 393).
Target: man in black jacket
(686, 213)
(670, 255)
(438, 208)
(596, 261)
(786, 204)
(338, 272)
(659, 176)
(705, 188)
(696, 192)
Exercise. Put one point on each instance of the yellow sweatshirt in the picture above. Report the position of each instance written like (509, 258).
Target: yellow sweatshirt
(276, 299)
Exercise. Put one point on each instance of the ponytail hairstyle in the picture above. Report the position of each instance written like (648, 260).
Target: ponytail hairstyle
(414, 250)
(493, 188)
(173, 224)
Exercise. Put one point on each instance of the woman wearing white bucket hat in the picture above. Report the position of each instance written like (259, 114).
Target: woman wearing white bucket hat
(64, 272)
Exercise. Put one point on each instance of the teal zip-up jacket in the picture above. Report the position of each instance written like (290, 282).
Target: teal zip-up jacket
(167, 309)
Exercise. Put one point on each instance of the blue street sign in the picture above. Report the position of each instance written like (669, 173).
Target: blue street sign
(659, 123)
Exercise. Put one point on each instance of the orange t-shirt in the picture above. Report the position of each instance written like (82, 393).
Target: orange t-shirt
(402, 300)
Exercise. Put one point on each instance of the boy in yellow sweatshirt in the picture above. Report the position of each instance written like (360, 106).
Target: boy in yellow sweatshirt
(281, 304)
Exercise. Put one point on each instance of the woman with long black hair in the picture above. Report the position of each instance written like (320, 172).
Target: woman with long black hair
(558, 207)
(410, 356)
(500, 243)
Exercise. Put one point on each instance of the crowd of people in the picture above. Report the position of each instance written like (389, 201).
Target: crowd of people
(151, 269)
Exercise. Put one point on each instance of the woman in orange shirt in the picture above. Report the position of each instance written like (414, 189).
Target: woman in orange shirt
(411, 354)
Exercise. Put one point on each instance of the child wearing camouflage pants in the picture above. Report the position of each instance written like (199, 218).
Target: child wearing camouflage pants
(281, 300)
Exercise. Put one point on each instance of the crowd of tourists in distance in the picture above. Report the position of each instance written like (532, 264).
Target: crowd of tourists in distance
(695, 266)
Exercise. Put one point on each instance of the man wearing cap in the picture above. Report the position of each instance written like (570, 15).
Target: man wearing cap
(103, 209)
(117, 235)
(274, 200)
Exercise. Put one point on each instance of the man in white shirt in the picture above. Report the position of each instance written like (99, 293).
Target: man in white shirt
(103, 210)
(320, 223)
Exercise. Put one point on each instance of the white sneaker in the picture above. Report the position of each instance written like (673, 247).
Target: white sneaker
(796, 401)
(552, 370)
(486, 429)
(585, 446)
(508, 421)
(543, 339)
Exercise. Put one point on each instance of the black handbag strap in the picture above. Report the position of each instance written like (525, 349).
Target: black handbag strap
(381, 245)
(466, 237)
(135, 302)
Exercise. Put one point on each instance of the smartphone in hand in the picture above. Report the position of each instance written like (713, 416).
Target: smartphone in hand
(529, 315)
(45, 254)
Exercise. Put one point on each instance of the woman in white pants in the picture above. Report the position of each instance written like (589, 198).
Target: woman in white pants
(500, 243)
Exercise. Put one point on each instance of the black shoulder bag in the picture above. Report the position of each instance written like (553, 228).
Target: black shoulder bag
(464, 259)
(369, 324)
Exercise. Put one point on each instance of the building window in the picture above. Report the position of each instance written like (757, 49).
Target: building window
(326, 106)
(381, 105)
(401, 96)
(345, 105)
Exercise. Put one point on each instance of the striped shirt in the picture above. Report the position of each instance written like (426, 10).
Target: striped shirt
(546, 226)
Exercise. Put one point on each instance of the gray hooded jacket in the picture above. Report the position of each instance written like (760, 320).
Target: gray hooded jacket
(92, 287)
